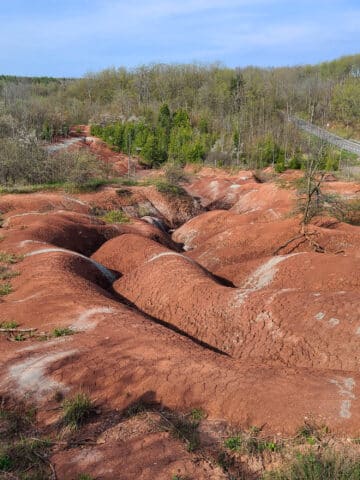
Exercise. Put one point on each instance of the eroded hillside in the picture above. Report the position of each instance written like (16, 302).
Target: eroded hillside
(190, 302)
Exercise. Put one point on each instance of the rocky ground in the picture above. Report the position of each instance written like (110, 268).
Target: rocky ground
(188, 314)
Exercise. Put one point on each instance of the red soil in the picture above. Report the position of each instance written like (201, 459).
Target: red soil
(250, 337)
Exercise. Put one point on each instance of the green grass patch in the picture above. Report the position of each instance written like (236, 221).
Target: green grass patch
(197, 414)
(250, 444)
(164, 186)
(234, 443)
(26, 455)
(128, 182)
(135, 409)
(5, 289)
(9, 325)
(10, 258)
(62, 332)
(115, 216)
(326, 466)
(31, 188)
(7, 274)
(77, 410)
(91, 185)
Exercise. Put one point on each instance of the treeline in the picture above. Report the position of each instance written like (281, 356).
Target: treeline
(172, 136)
(215, 113)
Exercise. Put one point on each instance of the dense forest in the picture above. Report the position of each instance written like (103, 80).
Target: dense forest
(188, 113)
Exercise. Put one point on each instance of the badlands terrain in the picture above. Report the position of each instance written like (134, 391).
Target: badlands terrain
(193, 320)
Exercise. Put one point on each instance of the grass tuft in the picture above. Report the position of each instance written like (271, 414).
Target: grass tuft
(77, 410)
(183, 428)
(5, 289)
(10, 258)
(62, 332)
(9, 325)
(6, 273)
(326, 466)
(26, 454)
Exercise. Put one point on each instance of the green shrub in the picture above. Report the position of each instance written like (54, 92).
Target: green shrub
(280, 167)
(295, 162)
(175, 174)
(24, 163)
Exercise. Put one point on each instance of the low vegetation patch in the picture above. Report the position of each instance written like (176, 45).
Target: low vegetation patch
(325, 466)
(115, 216)
(184, 427)
(62, 332)
(10, 258)
(5, 289)
(77, 410)
(162, 185)
(23, 453)
(26, 455)
(8, 325)
(6, 273)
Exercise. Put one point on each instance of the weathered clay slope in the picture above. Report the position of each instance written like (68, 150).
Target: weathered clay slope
(180, 374)
(278, 344)
(258, 321)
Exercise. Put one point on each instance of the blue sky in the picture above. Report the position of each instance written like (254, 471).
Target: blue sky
(73, 37)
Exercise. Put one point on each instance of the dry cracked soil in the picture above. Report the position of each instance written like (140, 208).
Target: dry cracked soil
(185, 308)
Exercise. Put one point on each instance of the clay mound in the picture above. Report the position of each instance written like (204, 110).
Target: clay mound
(178, 375)
(216, 189)
(73, 231)
(140, 201)
(53, 286)
(308, 271)
(39, 203)
(268, 200)
(348, 190)
(202, 227)
(279, 347)
(127, 252)
(156, 456)
(52, 292)
(242, 243)
(235, 320)
(176, 209)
